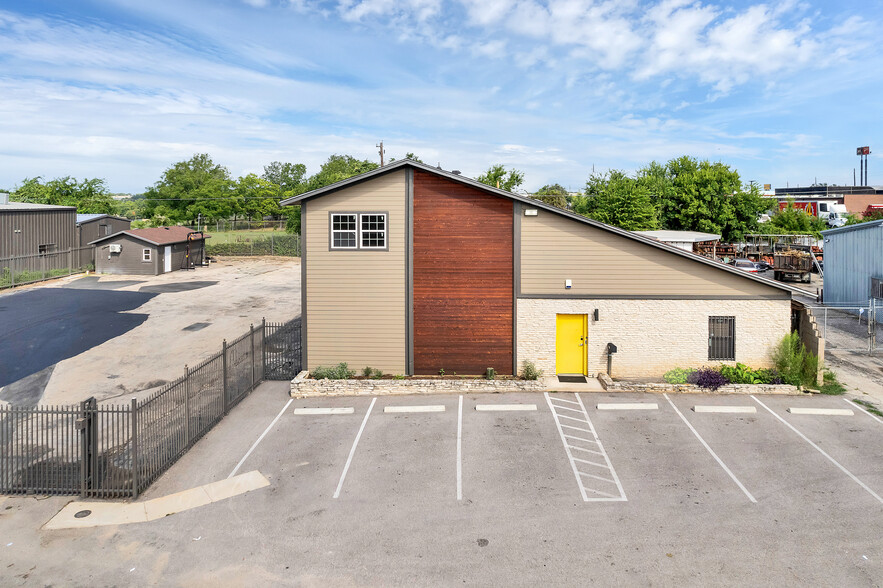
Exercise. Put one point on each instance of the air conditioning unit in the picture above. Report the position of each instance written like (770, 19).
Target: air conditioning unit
(115, 248)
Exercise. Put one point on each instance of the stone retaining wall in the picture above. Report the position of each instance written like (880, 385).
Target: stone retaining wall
(302, 386)
(660, 387)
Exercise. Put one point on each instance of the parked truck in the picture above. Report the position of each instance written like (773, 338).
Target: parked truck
(792, 264)
(832, 213)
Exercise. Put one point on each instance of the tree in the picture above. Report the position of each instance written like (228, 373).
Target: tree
(554, 194)
(289, 177)
(191, 188)
(794, 220)
(259, 197)
(616, 199)
(692, 195)
(498, 177)
(337, 169)
(409, 155)
(88, 196)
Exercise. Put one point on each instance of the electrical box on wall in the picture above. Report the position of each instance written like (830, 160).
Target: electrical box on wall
(568, 284)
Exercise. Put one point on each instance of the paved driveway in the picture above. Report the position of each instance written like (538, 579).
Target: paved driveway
(566, 494)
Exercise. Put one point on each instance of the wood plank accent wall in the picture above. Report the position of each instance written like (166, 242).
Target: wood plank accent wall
(463, 272)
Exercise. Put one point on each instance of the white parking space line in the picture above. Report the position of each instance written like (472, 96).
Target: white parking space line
(725, 409)
(628, 406)
(264, 434)
(820, 450)
(851, 403)
(822, 411)
(321, 411)
(417, 408)
(586, 468)
(460, 449)
(504, 407)
(349, 459)
(711, 451)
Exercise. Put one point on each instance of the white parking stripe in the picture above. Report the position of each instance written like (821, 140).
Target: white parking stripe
(349, 459)
(822, 411)
(713, 454)
(725, 409)
(820, 450)
(628, 406)
(504, 407)
(267, 430)
(851, 403)
(460, 449)
(417, 408)
(331, 410)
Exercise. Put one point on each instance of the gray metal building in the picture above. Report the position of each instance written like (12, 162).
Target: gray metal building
(151, 251)
(93, 226)
(853, 260)
(31, 229)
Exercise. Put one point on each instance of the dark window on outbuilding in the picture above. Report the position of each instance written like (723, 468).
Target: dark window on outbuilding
(722, 338)
(46, 248)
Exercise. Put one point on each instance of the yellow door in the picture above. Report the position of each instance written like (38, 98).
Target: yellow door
(570, 343)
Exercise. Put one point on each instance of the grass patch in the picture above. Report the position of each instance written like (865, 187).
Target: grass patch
(831, 385)
(869, 406)
(245, 236)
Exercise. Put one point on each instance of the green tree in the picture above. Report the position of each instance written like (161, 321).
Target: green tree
(498, 177)
(793, 220)
(290, 177)
(616, 199)
(88, 196)
(409, 155)
(554, 194)
(337, 169)
(259, 197)
(190, 188)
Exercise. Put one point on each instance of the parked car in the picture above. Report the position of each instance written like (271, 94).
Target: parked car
(762, 266)
(746, 265)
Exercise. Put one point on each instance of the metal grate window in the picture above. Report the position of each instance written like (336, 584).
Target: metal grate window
(876, 288)
(722, 338)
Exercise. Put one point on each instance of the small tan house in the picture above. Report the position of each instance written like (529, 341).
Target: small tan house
(150, 251)
(411, 269)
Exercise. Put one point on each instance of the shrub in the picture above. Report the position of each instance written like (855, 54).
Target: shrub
(370, 372)
(795, 365)
(742, 374)
(339, 372)
(707, 378)
(529, 370)
(678, 375)
(490, 374)
(831, 385)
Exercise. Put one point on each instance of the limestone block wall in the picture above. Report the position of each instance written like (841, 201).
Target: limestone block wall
(652, 336)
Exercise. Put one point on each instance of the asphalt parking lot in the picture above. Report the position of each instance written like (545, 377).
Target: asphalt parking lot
(569, 493)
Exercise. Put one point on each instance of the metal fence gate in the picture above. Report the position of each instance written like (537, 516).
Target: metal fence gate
(119, 450)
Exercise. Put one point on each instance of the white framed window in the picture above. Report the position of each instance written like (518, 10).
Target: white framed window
(358, 230)
(344, 231)
(373, 230)
(145, 254)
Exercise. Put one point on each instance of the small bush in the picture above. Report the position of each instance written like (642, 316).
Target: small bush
(370, 372)
(831, 385)
(529, 370)
(678, 375)
(795, 365)
(742, 374)
(441, 371)
(490, 374)
(707, 378)
(339, 372)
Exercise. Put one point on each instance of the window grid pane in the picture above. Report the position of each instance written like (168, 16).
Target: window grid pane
(373, 231)
(343, 231)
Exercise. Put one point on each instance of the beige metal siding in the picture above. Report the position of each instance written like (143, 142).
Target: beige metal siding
(600, 263)
(356, 299)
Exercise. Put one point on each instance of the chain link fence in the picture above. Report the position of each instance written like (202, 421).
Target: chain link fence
(850, 328)
(28, 269)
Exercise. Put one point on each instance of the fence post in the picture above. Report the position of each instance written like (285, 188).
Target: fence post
(135, 463)
(264, 347)
(186, 406)
(272, 245)
(70, 261)
(251, 340)
(224, 362)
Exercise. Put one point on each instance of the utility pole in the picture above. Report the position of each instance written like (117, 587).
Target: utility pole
(382, 152)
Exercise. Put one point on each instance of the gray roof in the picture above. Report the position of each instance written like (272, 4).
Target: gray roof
(858, 227)
(680, 236)
(31, 206)
(535, 204)
(85, 218)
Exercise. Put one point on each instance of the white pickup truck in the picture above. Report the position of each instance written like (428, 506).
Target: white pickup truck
(833, 214)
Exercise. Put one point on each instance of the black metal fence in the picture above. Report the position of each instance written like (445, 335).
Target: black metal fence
(119, 450)
(27, 269)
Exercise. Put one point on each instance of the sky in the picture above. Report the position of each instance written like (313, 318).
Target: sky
(122, 89)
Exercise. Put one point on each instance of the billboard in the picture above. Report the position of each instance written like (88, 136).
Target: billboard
(862, 150)
(810, 208)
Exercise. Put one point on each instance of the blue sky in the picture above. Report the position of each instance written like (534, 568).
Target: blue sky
(121, 89)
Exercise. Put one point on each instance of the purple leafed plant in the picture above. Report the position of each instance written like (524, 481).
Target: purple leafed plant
(707, 378)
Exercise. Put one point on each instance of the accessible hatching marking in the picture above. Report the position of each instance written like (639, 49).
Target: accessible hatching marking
(708, 448)
(264, 434)
(820, 450)
(584, 440)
